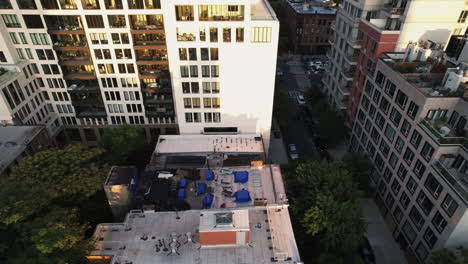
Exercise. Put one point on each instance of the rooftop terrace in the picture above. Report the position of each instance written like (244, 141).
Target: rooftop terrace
(322, 7)
(262, 10)
(14, 140)
(145, 238)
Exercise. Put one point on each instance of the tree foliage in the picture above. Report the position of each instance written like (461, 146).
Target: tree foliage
(359, 166)
(40, 206)
(121, 141)
(283, 109)
(449, 256)
(326, 197)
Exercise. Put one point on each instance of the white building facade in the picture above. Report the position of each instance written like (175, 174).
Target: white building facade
(188, 67)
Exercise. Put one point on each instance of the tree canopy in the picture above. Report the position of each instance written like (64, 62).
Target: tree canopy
(326, 197)
(449, 256)
(359, 166)
(40, 205)
(121, 141)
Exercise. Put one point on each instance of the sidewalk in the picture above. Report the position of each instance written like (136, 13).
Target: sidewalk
(277, 152)
(386, 249)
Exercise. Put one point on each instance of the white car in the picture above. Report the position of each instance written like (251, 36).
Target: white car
(300, 100)
(293, 151)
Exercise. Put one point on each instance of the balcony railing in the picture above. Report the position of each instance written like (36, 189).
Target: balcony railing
(440, 139)
(453, 178)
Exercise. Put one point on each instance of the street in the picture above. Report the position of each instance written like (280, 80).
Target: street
(296, 81)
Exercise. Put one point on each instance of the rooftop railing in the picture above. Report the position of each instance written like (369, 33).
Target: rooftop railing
(453, 179)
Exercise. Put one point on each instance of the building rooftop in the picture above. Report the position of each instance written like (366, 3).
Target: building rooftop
(265, 186)
(14, 140)
(322, 7)
(431, 76)
(261, 10)
(177, 144)
(146, 238)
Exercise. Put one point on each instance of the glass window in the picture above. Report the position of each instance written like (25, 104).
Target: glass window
(401, 99)
(421, 251)
(188, 118)
(439, 222)
(433, 186)
(430, 237)
(399, 144)
(226, 34)
(395, 116)
(261, 34)
(415, 139)
(408, 156)
(427, 151)
(416, 218)
(390, 132)
(214, 54)
(398, 214)
(184, 13)
(425, 203)
(411, 185)
(409, 232)
(449, 205)
(405, 128)
(221, 12)
(390, 88)
(419, 169)
(395, 186)
(184, 72)
(402, 171)
(384, 105)
(182, 54)
(412, 110)
(192, 54)
(239, 34)
(213, 34)
(193, 71)
(393, 160)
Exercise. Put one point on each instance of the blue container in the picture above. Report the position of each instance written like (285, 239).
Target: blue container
(183, 183)
(242, 196)
(209, 175)
(181, 194)
(207, 201)
(201, 188)
(241, 176)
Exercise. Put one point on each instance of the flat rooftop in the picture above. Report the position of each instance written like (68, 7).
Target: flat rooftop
(135, 240)
(314, 7)
(14, 140)
(265, 186)
(180, 144)
(261, 10)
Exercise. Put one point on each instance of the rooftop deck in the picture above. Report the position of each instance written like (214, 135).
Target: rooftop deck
(262, 10)
(316, 7)
(265, 186)
(181, 145)
(135, 240)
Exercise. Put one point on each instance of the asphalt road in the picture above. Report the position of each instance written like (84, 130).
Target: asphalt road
(296, 131)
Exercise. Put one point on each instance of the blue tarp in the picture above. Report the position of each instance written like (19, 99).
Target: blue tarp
(183, 183)
(201, 188)
(241, 176)
(181, 194)
(209, 175)
(207, 201)
(242, 196)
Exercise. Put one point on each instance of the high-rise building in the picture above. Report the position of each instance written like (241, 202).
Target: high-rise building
(203, 67)
(366, 28)
(412, 123)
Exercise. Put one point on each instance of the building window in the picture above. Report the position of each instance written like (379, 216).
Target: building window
(95, 21)
(26, 4)
(184, 13)
(33, 21)
(221, 12)
(421, 251)
(399, 144)
(408, 156)
(430, 237)
(401, 99)
(193, 71)
(402, 171)
(389, 200)
(449, 205)
(395, 186)
(384, 105)
(188, 117)
(439, 222)
(411, 185)
(419, 169)
(214, 54)
(261, 34)
(239, 34)
(427, 151)
(462, 17)
(405, 128)
(393, 160)
(398, 214)
(117, 21)
(213, 34)
(395, 116)
(425, 203)
(390, 133)
(433, 186)
(11, 21)
(412, 110)
(192, 54)
(214, 71)
(409, 232)
(184, 71)
(182, 54)
(416, 218)
(202, 34)
(226, 34)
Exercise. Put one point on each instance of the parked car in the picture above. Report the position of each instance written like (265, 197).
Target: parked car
(300, 100)
(366, 252)
(293, 151)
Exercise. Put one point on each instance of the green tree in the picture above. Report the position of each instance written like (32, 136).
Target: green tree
(449, 256)
(359, 166)
(69, 174)
(40, 206)
(326, 197)
(121, 141)
(283, 108)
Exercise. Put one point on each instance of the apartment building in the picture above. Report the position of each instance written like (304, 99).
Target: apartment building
(168, 66)
(366, 28)
(309, 25)
(412, 123)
